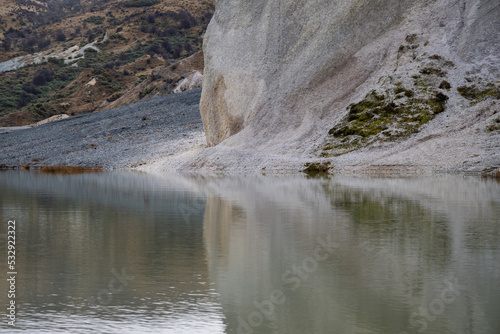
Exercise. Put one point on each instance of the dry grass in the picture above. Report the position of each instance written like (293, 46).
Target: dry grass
(69, 170)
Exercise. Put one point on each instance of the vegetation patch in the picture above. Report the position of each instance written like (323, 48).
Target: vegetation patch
(41, 111)
(114, 97)
(431, 70)
(145, 92)
(391, 112)
(316, 168)
(445, 85)
(34, 89)
(110, 79)
(495, 126)
(95, 19)
(161, 35)
(69, 170)
(388, 115)
(141, 3)
(476, 94)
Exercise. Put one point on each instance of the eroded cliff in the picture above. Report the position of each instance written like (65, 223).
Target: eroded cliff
(355, 84)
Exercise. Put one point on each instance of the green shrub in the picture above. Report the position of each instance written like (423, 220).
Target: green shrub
(114, 97)
(21, 93)
(141, 3)
(95, 19)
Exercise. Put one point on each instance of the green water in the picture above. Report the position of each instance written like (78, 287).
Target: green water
(137, 253)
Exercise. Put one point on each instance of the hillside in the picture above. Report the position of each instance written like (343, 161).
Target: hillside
(94, 55)
(124, 137)
(329, 86)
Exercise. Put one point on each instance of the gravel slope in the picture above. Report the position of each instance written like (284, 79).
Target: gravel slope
(120, 138)
(166, 134)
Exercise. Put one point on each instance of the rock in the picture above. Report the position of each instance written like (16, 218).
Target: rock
(281, 73)
(45, 121)
(69, 56)
(191, 81)
(50, 120)
(92, 82)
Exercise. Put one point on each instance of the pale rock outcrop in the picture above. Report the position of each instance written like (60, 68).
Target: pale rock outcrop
(50, 120)
(69, 56)
(279, 74)
(191, 81)
(91, 83)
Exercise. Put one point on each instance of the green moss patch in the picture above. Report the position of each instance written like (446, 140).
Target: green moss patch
(477, 94)
(376, 114)
(393, 111)
(431, 70)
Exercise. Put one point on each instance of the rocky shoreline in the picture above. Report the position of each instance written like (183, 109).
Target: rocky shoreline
(166, 134)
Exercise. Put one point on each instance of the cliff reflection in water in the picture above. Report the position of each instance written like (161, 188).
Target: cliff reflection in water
(353, 255)
(253, 254)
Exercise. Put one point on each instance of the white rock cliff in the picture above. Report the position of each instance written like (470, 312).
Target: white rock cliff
(280, 74)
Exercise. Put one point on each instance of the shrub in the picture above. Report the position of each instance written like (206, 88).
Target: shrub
(30, 89)
(23, 100)
(177, 51)
(444, 85)
(114, 97)
(145, 92)
(474, 93)
(6, 44)
(155, 48)
(109, 79)
(185, 24)
(43, 43)
(141, 3)
(30, 41)
(60, 36)
(208, 16)
(95, 19)
(153, 30)
(42, 77)
(166, 46)
(56, 61)
(151, 18)
(171, 31)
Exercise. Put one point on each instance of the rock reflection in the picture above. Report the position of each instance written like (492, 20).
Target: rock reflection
(254, 254)
(406, 254)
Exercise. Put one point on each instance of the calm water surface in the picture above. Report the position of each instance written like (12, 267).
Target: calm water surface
(137, 253)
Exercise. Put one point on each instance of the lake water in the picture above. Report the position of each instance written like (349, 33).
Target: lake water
(123, 252)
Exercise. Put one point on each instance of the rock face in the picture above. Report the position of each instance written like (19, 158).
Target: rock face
(280, 74)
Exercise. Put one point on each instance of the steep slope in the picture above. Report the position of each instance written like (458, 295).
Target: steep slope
(79, 56)
(123, 137)
(360, 85)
